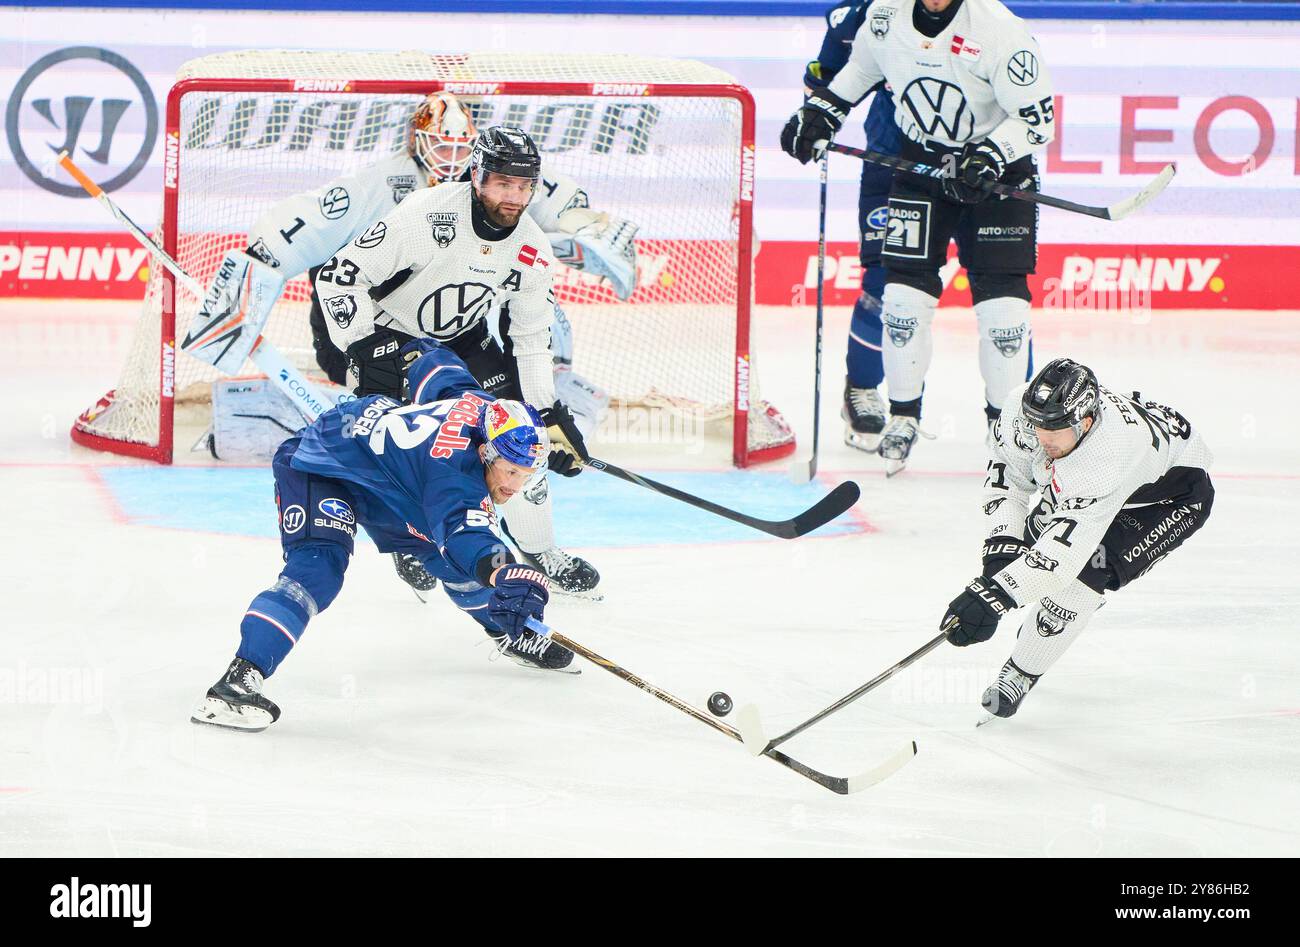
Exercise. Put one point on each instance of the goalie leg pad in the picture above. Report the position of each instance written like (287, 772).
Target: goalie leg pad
(586, 402)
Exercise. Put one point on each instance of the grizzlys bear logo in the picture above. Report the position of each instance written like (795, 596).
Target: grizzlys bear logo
(1049, 625)
(1036, 560)
(342, 309)
(402, 185)
(1008, 341)
(880, 23)
(444, 227)
(901, 329)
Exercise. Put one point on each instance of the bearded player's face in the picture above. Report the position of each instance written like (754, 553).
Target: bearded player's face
(505, 197)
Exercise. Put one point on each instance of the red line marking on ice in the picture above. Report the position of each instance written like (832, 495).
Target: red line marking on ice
(106, 496)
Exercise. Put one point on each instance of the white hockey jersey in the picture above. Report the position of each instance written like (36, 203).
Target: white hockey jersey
(441, 276)
(982, 77)
(1133, 443)
(307, 229)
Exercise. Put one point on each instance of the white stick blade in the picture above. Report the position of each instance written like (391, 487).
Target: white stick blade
(750, 726)
(884, 770)
(1143, 197)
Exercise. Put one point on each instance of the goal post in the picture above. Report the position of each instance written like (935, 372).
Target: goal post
(667, 144)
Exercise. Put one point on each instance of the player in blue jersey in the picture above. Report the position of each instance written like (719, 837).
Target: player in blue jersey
(864, 410)
(422, 479)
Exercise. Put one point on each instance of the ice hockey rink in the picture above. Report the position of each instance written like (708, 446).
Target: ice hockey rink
(1168, 729)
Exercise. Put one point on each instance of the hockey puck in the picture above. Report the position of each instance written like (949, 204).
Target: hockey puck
(719, 704)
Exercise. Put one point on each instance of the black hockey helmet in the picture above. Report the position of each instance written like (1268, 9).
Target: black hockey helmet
(1061, 395)
(504, 150)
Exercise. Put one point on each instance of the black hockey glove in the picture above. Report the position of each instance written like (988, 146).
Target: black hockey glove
(519, 593)
(379, 363)
(978, 167)
(1000, 552)
(974, 614)
(568, 452)
(810, 129)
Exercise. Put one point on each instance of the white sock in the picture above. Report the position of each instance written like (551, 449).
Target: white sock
(1053, 626)
(908, 315)
(1004, 345)
(530, 523)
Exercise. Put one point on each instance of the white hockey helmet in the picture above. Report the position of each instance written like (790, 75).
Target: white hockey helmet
(441, 137)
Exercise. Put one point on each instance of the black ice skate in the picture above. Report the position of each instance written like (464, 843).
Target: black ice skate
(569, 575)
(1003, 698)
(865, 413)
(236, 701)
(411, 571)
(897, 441)
(536, 651)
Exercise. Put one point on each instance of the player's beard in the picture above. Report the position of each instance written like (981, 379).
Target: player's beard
(502, 216)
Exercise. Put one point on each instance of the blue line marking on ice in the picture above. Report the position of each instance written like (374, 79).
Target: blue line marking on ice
(591, 511)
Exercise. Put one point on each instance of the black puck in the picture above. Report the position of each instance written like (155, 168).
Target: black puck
(719, 704)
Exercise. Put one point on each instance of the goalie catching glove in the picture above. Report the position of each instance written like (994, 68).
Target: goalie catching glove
(599, 244)
(568, 451)
(811, 129)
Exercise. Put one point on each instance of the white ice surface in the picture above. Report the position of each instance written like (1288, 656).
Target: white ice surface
(1170, 728)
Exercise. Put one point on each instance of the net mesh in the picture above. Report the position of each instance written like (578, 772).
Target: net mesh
(670, 163)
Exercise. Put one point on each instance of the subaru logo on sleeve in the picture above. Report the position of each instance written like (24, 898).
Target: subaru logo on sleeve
(293, 519)
(335, 508)
(877, 218)
(90, 102)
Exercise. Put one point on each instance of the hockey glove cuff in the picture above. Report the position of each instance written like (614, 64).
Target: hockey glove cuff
(812, 127)
(979, 166)
(999, 552)
(520, 593)
(974, 614)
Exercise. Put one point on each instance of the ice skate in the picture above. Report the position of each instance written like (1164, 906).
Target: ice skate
(864, 413)
(411, 571)
(1004, 697)
(897, 441)
(569, 575)
(236, 701)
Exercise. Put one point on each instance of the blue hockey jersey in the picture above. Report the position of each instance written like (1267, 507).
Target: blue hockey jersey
(414, 468)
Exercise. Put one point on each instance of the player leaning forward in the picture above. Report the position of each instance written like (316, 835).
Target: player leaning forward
(1087, 489)
(439, 265)
(972, 95)
(422, 479)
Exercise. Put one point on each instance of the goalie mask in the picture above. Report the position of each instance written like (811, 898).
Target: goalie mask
(513, 431)
(441, 137)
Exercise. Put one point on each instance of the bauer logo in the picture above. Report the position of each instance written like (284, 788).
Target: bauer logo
(171, 160)
(77, 899)
(322, 85)
(747, 173)
(619, 88)
(473, 88)
(293, 519)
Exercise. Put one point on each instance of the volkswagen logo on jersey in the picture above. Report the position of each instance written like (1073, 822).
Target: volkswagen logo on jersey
(293, 519)
(335, 508)
(1022, 68)
(938, 107)
(334, 203)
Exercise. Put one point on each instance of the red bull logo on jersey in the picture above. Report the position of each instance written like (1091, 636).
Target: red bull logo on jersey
(451, 435)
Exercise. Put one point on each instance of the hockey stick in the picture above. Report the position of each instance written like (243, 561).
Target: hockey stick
(801, 471)
(1114, 212)
(282, 372)
(751, 726)
(836, 784)
(817, 515)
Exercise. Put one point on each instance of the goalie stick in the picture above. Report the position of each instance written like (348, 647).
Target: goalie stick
(750, 724)
(310, 403)
(801, 471)
(836, 784)
(819, 514)
(1116, 211)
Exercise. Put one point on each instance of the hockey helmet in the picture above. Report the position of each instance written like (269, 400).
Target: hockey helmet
(504, 150)
(513, 431)
(441, 137)
(1061, 395)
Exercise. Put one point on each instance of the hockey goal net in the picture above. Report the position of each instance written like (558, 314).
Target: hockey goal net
(668, 144)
